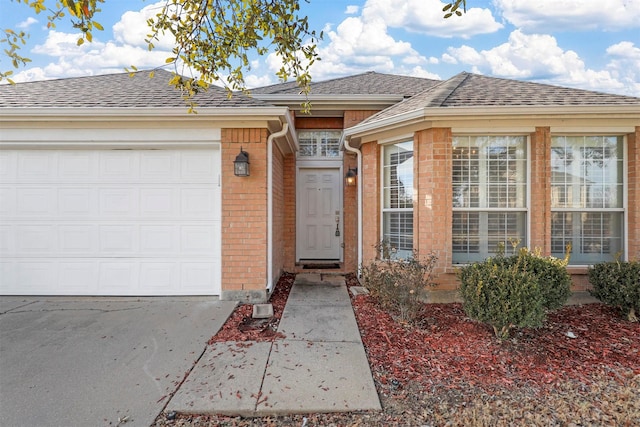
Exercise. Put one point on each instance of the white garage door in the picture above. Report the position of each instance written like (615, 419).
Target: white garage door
(110, 222)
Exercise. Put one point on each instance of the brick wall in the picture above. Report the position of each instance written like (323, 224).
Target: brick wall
(370, 176)
(432, 209)
(244, 212)
(540, 190)
(353, 117)
(289, 224)
(278, 213)
(633, 216)
(350, 218)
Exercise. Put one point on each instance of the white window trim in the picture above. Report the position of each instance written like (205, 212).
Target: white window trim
(321, 158)
(389, 142)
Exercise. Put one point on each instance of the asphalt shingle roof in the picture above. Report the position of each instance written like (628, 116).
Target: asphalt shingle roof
(115, 91)
(473, 90)
(370, 83)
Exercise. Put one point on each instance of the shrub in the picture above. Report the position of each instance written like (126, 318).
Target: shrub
(399, 285)
(502, 294)
(618, 284)
(553, 278)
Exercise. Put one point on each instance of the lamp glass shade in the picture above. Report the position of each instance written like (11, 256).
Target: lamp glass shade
(241, 164)
(351, 177)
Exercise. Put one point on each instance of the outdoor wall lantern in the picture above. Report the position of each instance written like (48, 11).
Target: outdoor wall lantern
(241, 164)
(351, 176)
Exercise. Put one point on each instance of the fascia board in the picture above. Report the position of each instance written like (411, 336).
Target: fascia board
(472, 113)
(573, 111)
(359, 98)
(323, 102)
(136, 114)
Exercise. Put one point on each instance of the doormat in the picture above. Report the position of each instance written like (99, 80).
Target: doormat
(320, 266)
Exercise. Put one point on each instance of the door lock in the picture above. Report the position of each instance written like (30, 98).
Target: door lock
(337, 230)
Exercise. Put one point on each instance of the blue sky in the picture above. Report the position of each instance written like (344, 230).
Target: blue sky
(578, 44)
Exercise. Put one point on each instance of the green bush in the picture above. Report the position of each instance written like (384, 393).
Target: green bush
(399, 285)
(553, 278)
(504, 295)
(618, 284)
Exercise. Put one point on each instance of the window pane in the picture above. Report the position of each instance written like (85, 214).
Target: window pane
(477, 235)
(488, 172)
(466, 233)
(398, 175)
(587, 173)
(319, 143)
(593, 236)
(398, 232)
(398, 198)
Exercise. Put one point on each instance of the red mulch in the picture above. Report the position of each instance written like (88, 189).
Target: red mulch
(241, 327)
(452, 350)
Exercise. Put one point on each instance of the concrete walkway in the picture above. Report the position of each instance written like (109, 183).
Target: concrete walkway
(320, 366)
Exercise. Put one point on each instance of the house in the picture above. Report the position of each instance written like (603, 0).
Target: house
(110, 187)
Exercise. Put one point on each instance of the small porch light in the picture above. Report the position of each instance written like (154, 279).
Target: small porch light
(352, 173)
(241, 164)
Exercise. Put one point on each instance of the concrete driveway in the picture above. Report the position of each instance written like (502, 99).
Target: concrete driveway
(98, 361)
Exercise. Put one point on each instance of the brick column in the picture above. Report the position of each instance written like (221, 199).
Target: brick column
(350, 218)
(290, 212)
(244, 217)
(370, 176)
(540, 190)
(633, 197)
(432, 210)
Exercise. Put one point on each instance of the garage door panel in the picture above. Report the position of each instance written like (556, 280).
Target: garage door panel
(199, 203)
(78, 277)
(159, 164)
(118, 240)
(73, 165)
(159, 277)
(198, 168)
(36, 239)
(77, 202)
(34, 166)
(8, 165)
(118, 166)
(159, 239)
(36, 202)
(119, 276)
(159, 202)
(118, 202)
(78, 239)
(110, 222)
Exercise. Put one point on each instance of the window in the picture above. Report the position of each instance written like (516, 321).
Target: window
(587, 197)
(397, 209)
(319, 143)
(489, 195)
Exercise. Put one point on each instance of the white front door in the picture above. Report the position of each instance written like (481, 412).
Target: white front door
(319, 221)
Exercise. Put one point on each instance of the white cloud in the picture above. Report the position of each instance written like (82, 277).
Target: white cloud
(27, 23)
(352, 10)
(126, 49)
(575, 15)
(625, 65)
(426, 17)
(538, 57)
(132, 28)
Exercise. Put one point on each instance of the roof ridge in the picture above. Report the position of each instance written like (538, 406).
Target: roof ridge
(443, 90)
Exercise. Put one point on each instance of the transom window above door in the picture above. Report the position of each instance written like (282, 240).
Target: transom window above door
(319, 143)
